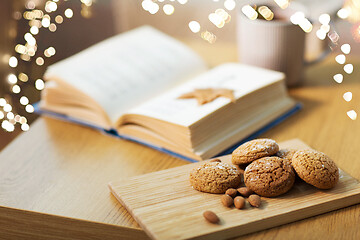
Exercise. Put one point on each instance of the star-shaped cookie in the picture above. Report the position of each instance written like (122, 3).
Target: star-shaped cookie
(208, 95)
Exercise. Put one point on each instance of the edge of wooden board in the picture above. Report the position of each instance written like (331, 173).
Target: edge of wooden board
(343, 199)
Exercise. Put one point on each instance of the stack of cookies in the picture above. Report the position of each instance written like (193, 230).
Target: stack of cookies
(269, 171)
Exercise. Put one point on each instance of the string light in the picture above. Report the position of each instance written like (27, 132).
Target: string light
(34, 30)
(348, 68)
(10, 115)
(52, 27)
(2, 102)
(40, 61)
(12, 79)
(345, 48)
(25, 127)
(343, 13)
(36, 20)
(7, 107)
(194, 26)
(352, 114)
(16, 89)
(282, 3)
(341, 59)
(324, 19)
(45, 22)
(249, 12)
(13, 62)
(39, 84)
(168, 9)
(59, 19)
(69, 13)
(29, 108)
(24, 100)
(23, 77)
(208, 36)
(266, 13)
(229, 4)
(338, 78)
(347, 96)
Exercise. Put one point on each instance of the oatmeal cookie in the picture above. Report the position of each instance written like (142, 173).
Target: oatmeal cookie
(215, 177)
(255, 149)
(269, 176)
(316, 168)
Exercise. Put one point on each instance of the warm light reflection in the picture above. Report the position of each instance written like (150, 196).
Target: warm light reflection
(321, 34)
(25, 127)
(29, 108)
(13, 62)
(12, 79)
(229, 4)
(7, 107)
(352, 114)
(40, 61)
(266, 13)
(39, 84)
(69, 13)
(52, 27)
(2, 102)
(282, 3)
(194, 26)
(10, 115)
(24, 100)
(23, 77)
(34, 30)
(16, 89)
(297, 17)
(306, 25)
(346, 48)
(249, 12)
(45, 22)
(348, 68)
(168, 9)
(59, 19)
(347, 96)
(338, 78)
(341, 59)
(324, 19)
(208, 36)
(343, 13)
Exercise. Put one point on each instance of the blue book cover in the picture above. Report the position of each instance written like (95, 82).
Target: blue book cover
(114, 133)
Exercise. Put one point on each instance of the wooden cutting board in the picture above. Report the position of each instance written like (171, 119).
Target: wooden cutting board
(167, 207)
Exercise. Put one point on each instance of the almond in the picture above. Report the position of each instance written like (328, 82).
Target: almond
(211, 217)
(226, 200)
(239, 202)
(244, 191)
(254, 200)
(231, 192)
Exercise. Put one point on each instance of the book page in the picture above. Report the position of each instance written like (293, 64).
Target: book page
(242, 79)
(125, 70)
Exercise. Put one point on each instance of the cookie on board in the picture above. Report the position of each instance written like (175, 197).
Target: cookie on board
(315, 168)
(286, 154)
(254, 149)
(214, 177)
(269, 176)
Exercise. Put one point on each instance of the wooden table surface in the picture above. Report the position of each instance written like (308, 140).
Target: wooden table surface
(53, 179)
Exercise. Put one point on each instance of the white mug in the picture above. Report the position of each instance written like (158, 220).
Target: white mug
(277, 44)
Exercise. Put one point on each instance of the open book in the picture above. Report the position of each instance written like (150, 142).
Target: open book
(129, 85)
